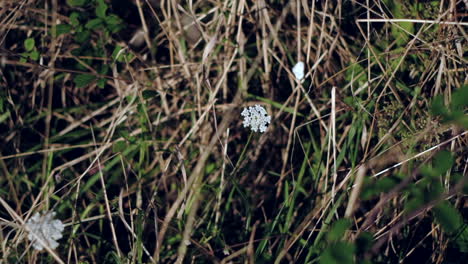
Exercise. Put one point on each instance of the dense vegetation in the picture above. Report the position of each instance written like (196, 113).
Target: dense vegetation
(124, 119)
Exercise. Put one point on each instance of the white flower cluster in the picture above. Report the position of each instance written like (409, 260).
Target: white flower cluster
(45, 228)
(256, 117)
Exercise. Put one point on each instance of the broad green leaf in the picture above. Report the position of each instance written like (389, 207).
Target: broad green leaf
(34, 55)
(364, 242)
(81, 80)
(339, 253)
(83, 36)
(438, 107)
(385, 184)
(29, 44)
(210, 168)
(101, 9)
(460, 98)
(433, 191)
(129, 56)
(104, 69)
(63, 29)
(416, 199)
(457, 108)
(4, 116)
(114, 23)
(74, 19)
(428, 171)
(338, 229)
(452, 223)
(113, 20)
(460, 119)
(101, 83)
(116, 54)
(448, 217)
(443, 161)
(24, 57)
(94, 23)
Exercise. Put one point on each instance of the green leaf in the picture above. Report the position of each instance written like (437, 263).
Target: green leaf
(113, 20)
(448, 217)
(101, 83)
(460, 98)
(94, 23)
(428, 172)
(81, 80)
(148, 94)
(339, 253)
(119, 146)
(121, 56)
(433, 191)
(129, 56)
(451, 221)
(115, 28)
(460, 119)
(385, 184)
(457, 108)
(74, 3)
(63, 29)
(114, 23)
(101, 9)
(29, 44)
(364, 242)
(399, 31)
(465, 188)
(355, 70)
(24, 55)
(104, 69)
(338, 229)
(34, 55)
(416, 200)
(74, 19)
(438, 107)
(443, 161)
(83, 36)
(210, 168)
(4, 116)
(115, 54)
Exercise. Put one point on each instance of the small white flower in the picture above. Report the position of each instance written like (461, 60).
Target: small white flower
(256, 117)
(298, 70)
(45, 228)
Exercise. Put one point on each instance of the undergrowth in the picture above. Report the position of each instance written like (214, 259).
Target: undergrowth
(124, 119)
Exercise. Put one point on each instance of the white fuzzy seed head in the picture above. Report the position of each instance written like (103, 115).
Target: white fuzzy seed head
(298, 70)
(46, 229)
(256, 117)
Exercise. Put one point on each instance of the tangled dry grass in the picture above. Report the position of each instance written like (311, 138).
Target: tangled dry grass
(124, 118)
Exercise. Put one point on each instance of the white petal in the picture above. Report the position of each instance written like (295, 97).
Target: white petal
(298, 70)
